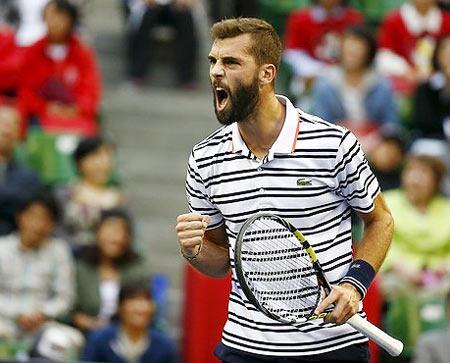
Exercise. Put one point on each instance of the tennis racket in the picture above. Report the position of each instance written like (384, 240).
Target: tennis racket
(280, 274)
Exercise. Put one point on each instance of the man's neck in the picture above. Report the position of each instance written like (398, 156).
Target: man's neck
(260, 132)
(423, 9)
(92, 185)
(26, 246)
(134, 334)
(354, 77)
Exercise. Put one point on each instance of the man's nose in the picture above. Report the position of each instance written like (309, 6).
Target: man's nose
(217, 70)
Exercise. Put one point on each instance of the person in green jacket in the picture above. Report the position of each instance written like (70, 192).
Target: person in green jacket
(102, 268)
(421, 240)
(416, 273)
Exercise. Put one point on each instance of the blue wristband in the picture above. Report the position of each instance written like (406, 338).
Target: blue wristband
(360, 274)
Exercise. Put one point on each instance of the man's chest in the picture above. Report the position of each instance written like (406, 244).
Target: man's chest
(282, 185)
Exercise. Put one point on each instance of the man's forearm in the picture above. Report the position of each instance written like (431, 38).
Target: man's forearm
(213, 260)
(377, 236)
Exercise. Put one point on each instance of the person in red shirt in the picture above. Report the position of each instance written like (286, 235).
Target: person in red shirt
(60, 81)
(313, 34)
(10, 62)
(407, 38)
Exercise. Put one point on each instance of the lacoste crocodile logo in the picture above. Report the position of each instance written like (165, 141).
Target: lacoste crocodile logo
(303, 181)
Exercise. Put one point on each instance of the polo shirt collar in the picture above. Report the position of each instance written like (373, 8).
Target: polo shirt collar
(287, 139)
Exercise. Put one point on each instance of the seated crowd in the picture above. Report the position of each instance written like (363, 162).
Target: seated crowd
(73, 284)
(70, 275)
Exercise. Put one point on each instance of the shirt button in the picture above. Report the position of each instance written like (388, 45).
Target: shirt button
(261, 190)
(259, 169)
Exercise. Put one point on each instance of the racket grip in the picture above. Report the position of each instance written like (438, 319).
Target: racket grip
(391, 345)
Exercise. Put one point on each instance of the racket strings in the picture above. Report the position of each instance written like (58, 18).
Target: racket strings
(268, 277)
(279, 271)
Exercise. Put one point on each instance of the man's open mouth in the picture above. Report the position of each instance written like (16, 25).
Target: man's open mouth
(222, 97)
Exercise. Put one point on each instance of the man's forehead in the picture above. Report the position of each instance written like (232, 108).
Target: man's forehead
(239, 45)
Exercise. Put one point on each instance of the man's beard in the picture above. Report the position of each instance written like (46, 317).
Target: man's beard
(242, 104)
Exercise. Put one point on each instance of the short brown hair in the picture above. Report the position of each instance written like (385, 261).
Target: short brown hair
(266, 48)
(435, 164)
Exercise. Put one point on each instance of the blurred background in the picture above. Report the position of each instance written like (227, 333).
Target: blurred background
(100, 104)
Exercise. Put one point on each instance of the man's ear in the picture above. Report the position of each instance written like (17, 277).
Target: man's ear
(267, 74)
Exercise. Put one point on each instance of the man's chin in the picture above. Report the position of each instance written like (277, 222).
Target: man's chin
(224, 118)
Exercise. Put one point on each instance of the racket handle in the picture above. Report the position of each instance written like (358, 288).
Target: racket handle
(393, 346)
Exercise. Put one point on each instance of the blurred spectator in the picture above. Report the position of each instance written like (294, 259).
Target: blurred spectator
(416, 271)
(131, 339)
(386, 160)
(421, 242)
(103, 267)
(36, 271)
(144, 16)
(10, 63)
(434, 347)
(307, 51)
(83, 201)
(352, 93)
(407, 38)
(27, 14)
(431, 116)
(16, 182)
(61, 82)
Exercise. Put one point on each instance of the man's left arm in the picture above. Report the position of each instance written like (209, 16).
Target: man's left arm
(377, 236)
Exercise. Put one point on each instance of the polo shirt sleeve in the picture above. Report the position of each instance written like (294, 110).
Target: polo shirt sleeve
(197, 195)
(354, 180)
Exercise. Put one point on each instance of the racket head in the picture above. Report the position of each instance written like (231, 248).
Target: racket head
(275, 271)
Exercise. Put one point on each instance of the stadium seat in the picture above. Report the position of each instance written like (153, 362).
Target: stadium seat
(51, 155)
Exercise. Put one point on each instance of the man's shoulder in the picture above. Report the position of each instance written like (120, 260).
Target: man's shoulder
(103, 337)
(393, 17)
(9, 241)
(310, 123)
(216, 142)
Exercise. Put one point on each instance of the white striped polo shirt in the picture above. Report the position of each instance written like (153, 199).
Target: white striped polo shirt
(313, 175)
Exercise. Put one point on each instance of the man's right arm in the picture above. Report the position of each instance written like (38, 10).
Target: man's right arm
(206, 250)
